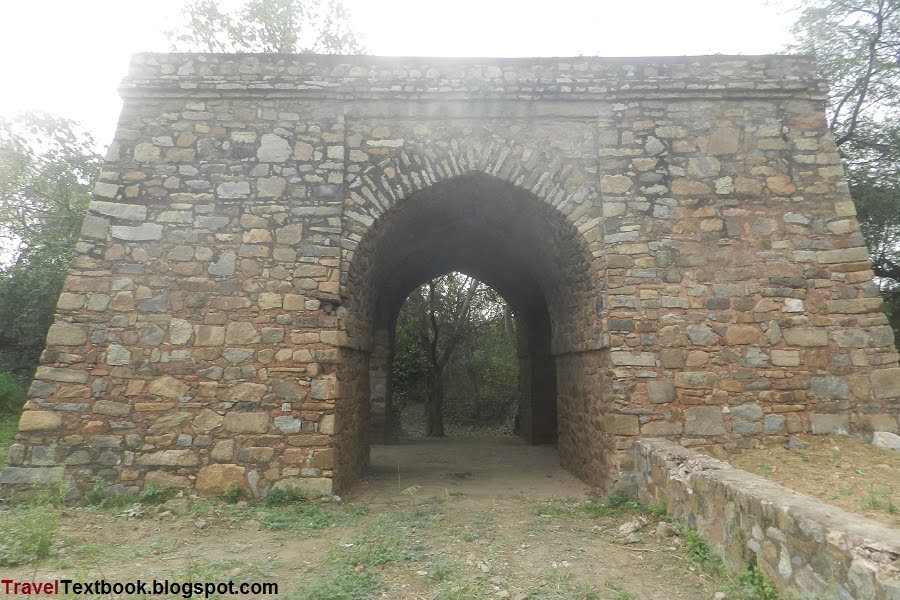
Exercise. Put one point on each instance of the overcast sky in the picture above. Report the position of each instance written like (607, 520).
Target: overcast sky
(68, 56)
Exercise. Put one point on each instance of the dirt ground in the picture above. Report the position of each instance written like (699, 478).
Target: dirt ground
(469, 518)
(839, 470)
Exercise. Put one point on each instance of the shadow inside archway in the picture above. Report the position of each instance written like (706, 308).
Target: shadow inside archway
(469, 466)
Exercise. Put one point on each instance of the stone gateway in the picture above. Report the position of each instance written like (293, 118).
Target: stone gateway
(675, 236)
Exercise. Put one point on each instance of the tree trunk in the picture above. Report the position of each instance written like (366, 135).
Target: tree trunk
(434, 405)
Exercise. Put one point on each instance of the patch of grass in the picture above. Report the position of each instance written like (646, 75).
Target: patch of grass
(621, 594)
(558, 584)
(746, 585)
(12, 395)
(9, 427)
(155, 495)
(28, 529)
(285, 496)
(233, 492)
(310, 517)
(615, 505)
(880, 499)
(337, 582)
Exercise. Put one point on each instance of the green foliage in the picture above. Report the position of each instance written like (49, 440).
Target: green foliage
(12, 394)
(154, 495)
(9, 427)
(47, 166)
(750, 584)
(855, 43)
(455, 325)
(285, 496)
(233, 492)
(308, 517)
(338, 582)
(28, 529)
(278, 26)
(617, 504)
(880, 499)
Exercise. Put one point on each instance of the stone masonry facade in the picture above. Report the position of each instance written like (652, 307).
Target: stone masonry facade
(675, 235)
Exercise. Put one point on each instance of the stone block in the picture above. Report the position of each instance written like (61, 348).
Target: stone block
(831, 257)
(324, 389)
(288, 424)
(129, 212)
(661, 428)
(66, 334)
(830, 424)
(256, 454)
(615, 424)
(214, 478)
(112, 409)
(245, 392)
(169, 458)
(313, 486)
(829, 387)
(704, 420)
(141, 233)
(31, 476)
(327, 425)
(241, 333)
(741, 335)
(695, 380)
(94, 227)
(805, 336)
(223, 451)
(209, 335)
(774, 425)
(746, 428)
(886, 440)
(746, 412)
(323, 459)
(854, 307)
(168, 387)
(701, 335)
(207, 420)
(661, 392)
(627, 359)
(886, 383)
(785, 358)
(246, 422)
(273, 148)
(40, 420)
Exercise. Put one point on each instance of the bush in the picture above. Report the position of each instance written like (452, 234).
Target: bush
(12, 394)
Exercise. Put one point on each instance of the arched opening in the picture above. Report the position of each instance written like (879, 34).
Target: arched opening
(454, 369)
(519, 245)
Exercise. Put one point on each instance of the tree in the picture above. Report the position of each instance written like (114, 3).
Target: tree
(274, 26)
(454, 337)
(47, 166)
(857, 45)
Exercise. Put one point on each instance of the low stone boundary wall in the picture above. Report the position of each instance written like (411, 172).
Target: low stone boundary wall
(807, 548)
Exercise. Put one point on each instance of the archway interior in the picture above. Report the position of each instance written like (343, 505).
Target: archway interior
(505, 237)
(455, 364)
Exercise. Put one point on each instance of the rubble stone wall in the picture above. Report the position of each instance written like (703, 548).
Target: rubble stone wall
(675, 235)
(807, 548)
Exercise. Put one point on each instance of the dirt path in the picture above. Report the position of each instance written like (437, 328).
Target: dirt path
(467, 519)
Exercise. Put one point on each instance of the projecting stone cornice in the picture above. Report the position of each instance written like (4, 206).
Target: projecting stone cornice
(369, 78)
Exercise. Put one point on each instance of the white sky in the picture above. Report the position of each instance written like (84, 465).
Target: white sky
(68, 56)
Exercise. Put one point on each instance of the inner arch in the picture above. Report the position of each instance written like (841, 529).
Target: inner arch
(517, 244)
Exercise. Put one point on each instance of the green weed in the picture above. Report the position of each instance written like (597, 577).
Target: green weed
(28, 530)
(286, 495)
(338, 582)
(232, 492)
(155, 495)
(12, 395)
(880, 499)
(309, 517)
(746, 585)
(615, 505)
(9, 427)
